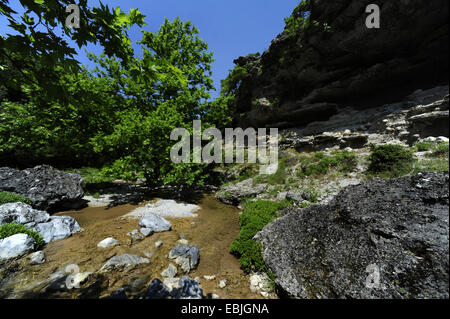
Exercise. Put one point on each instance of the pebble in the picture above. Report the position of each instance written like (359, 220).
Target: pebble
(223, 283)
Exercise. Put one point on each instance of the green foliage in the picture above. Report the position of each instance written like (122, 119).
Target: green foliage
(437, 161)
(38, 41)
(320, 164)
(231, 83)
(299, 18)
(10, 229)
(118, 116)
(312, 194)
(390, 160)
(441, 150)
(436, 164)
(255, 215)
(7, 197)
(423, 146)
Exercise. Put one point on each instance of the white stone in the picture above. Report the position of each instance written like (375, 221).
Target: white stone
(158, 243)
(166, 208)
(170, 271)
(223, 283)
(16, 245)
(212, 277)
(155, 223)
(108, 242)
(183, 241)
(37, 258)
(255, 280)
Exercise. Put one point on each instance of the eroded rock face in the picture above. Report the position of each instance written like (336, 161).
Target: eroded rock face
(50, 227)
(48, 188)
(399, 227)
(340, 63)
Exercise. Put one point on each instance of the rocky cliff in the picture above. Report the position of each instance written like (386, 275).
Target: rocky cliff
(332, 63)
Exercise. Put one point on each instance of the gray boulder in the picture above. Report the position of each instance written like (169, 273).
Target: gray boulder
(20, 213)
(233, 194)
(16, 246)
(58, 227)
(155, 223)
(379, 239)
(37, 258)
(123, 261)
(50, 227)
(188, 289)
(48, 188)
(186, 256)
(156, 290)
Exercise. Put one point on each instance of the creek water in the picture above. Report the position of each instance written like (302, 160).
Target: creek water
(212, 232)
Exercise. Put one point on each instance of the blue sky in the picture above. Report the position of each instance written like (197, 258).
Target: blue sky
(231, 28)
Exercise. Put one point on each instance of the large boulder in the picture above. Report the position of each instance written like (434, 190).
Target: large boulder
(58, 227)
(123, 262)
(233, 194)
(154, 223)
(50, 227)
(48, 188)
(185, 288)
(16, 245)
(379, 239)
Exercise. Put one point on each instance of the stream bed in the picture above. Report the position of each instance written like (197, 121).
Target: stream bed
(212, 231)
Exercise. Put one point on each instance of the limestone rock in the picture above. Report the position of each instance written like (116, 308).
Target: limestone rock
(108, 242)
(48, 188)
(16, 246)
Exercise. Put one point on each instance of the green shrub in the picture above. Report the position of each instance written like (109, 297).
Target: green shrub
(432, 165)
(390, 160)
(254, 217)
(319, 164)
(7, 197)
(423, 146)
(7, 230)
(441, 150)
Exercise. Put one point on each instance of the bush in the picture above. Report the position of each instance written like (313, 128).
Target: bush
(254, 217)
(423, 146)
(7, 230)
(321, 163)
(390, 160)
(441, 150)
(7, 197)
